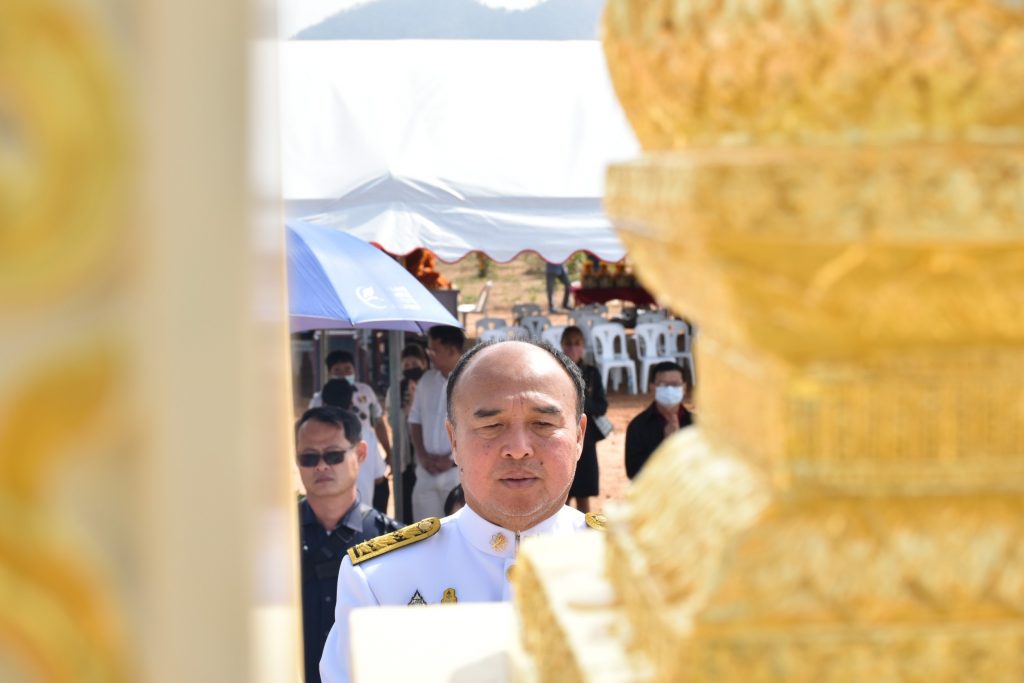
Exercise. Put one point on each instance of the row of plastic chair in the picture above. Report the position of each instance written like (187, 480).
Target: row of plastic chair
(656, 342)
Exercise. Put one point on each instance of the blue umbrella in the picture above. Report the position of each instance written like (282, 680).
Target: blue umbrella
(336, 280)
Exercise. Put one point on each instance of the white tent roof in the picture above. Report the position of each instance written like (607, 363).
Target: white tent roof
(454, 144)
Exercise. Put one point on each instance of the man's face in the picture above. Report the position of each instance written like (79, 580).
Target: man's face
(323, 480)
(668, 378)
(444, 357)
(574, 347)
(515, 435)
(410, 362)
(341, 370)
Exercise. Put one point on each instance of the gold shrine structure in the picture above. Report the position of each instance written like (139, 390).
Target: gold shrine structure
(833, 190)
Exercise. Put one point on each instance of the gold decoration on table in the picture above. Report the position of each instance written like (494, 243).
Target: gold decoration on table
(834, 193)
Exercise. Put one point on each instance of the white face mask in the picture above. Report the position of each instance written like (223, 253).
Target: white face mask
(669, 396)
(351, 379)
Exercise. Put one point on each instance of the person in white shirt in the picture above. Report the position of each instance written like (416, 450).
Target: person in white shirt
(436, 474)
(516, 427)
(366, 406)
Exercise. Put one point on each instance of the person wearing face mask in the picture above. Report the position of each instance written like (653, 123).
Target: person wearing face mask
(666, 415)
(366, 406)
(414, 364)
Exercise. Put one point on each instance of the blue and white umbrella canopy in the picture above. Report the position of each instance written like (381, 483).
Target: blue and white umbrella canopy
(338, 281)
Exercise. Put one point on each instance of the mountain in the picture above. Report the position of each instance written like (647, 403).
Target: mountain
(460, 20)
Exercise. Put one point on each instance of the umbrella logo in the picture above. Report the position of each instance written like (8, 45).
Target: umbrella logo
(370, 297)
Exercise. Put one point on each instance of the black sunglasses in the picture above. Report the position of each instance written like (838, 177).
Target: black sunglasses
(313, 459)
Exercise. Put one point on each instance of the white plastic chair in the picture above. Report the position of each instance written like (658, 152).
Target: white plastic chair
(610, 354)
(520, 311)
(479, 307)
(484, 324)
(651, 349)
(517, 332)
(644, 317)
(536, 324)
(497, 334)
(597, 309)
(586, 316)
(553, 335)
(676, 342)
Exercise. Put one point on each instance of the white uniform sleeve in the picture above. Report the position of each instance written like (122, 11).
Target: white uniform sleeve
(353, 591)
(316, 401)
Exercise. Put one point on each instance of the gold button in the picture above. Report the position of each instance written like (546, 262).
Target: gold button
(498, 542)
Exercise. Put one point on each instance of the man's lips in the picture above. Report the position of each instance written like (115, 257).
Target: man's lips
(518, 479)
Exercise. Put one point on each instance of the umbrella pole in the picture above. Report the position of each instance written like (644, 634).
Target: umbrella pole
(399, 437)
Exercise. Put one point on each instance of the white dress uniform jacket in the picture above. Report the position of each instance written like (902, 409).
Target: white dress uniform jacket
(468, 558)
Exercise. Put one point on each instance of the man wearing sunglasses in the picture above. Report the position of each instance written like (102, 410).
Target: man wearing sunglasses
(332, 518)
(515, 423)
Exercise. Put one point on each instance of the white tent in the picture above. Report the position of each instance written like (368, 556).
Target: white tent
(451, 125)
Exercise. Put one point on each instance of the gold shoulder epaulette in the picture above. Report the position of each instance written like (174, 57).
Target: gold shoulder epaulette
(367, 550)
(595, 520)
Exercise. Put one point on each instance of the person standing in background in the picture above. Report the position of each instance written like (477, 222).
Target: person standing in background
(436, 474)
(414, 364)
(341, 365)
(329, 451)
(586, 483)
(552, 272)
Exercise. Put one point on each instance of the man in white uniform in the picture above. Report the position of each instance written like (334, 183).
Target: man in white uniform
(436, 474)
(516, 428)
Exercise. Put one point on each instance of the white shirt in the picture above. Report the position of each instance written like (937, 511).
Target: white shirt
(429, 410)
(464, 555)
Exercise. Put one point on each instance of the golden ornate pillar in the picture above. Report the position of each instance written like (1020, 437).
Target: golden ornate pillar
(834, 192)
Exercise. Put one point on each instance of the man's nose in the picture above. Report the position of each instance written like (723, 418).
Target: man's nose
(518, 442)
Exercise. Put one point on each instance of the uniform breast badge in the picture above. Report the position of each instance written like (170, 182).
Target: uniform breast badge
(449, 596)
(417, 599)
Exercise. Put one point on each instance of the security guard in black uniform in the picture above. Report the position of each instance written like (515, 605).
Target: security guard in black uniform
(332, 519)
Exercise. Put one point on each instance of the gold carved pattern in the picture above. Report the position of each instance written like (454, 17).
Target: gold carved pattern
(62, 157)
(694, 73)
(62, 154)
(55, 615)
(791, 250)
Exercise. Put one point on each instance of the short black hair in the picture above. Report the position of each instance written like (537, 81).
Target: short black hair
(455, 497)
(338, 393)
(572, 329)
(448, 335)
(335, 357)
(414, 350)
(670, 366)
(570, 368)
(342, 419)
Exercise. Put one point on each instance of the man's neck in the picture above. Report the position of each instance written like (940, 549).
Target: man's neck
(330, 509)
(518, 524)
(669, 412)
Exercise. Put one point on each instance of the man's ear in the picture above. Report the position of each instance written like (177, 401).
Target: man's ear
(448, 427)
(361, 450)
(581, 430)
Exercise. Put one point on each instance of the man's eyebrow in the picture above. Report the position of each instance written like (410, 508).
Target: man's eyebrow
(548, 410)
(486, 412)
